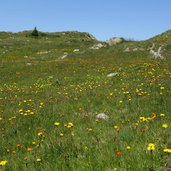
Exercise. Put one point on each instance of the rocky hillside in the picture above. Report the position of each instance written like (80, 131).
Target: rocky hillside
(59, 45)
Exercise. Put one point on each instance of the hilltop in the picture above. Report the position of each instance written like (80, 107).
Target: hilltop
(15, 45)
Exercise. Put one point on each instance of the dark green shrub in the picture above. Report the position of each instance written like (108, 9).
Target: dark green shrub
(35, 32)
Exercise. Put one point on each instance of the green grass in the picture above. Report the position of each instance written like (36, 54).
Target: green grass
(33, 97)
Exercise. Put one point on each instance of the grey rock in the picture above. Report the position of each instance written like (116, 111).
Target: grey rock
(76, 50)
(127, 50)
(102, 116)
(114, 41)
(112, 74)
(157, 54)
(135, 49)
(64, 56)
(97, 46)
(29, 64)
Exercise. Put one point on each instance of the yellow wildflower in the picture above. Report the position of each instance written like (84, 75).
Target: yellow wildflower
(40, 134)
(90, 129)
(38, 159)
(115, 126)
(128, 147)
(167, 150)
(61, 134)
(151, 147)
(162, 114)
(56, 123)
(3, 162)
(164, 125)
(161, 88)
(70, 125)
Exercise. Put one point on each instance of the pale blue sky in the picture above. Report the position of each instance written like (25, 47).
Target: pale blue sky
(137, 19)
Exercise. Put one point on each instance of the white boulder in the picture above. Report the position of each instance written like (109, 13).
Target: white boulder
(127, 50)
(114, 41)
(97, 46)
(112, 74)
(102, 116)
(76, 50)
(64, 56)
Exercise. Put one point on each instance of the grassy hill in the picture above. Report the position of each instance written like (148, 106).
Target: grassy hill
(48, 105)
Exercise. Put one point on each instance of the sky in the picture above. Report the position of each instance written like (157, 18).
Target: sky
(131, 19)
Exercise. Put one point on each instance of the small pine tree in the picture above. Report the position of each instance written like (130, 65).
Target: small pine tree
(35, 32)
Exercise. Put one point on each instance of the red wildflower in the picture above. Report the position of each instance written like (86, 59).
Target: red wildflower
(118, 153)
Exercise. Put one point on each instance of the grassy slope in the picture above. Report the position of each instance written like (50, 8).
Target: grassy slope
(47, 90)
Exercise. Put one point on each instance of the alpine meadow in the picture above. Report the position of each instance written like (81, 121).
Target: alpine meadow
(69, 102)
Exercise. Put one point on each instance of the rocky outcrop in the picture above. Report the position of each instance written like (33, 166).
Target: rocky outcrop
(114, 41)
(98, 46)
(157, 53)
(90, 36)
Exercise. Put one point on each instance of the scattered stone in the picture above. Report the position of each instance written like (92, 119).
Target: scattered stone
(114, 41)
(112, 74)
(102, 116)
(76, 50)
(64, 56)
(135, 49)
(29, 64)
(45, 52)
(97, 46)
(158, 53)
(127, 50)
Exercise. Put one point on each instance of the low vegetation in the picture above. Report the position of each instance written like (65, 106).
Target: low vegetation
(48, 105)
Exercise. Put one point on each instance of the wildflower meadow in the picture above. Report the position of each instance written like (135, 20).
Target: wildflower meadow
(48, 105)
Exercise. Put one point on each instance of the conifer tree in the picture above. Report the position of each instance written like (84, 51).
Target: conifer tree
(35, 32)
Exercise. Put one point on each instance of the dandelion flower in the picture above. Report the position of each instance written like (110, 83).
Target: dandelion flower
(70, 125)
(40, 134)
(161, 88)
(128, 147)
(61, 134)
(3, 162)
(151, 147)
(164, 125)
(56, 123)
(162, 114)
(38, 159)
(167, 150)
